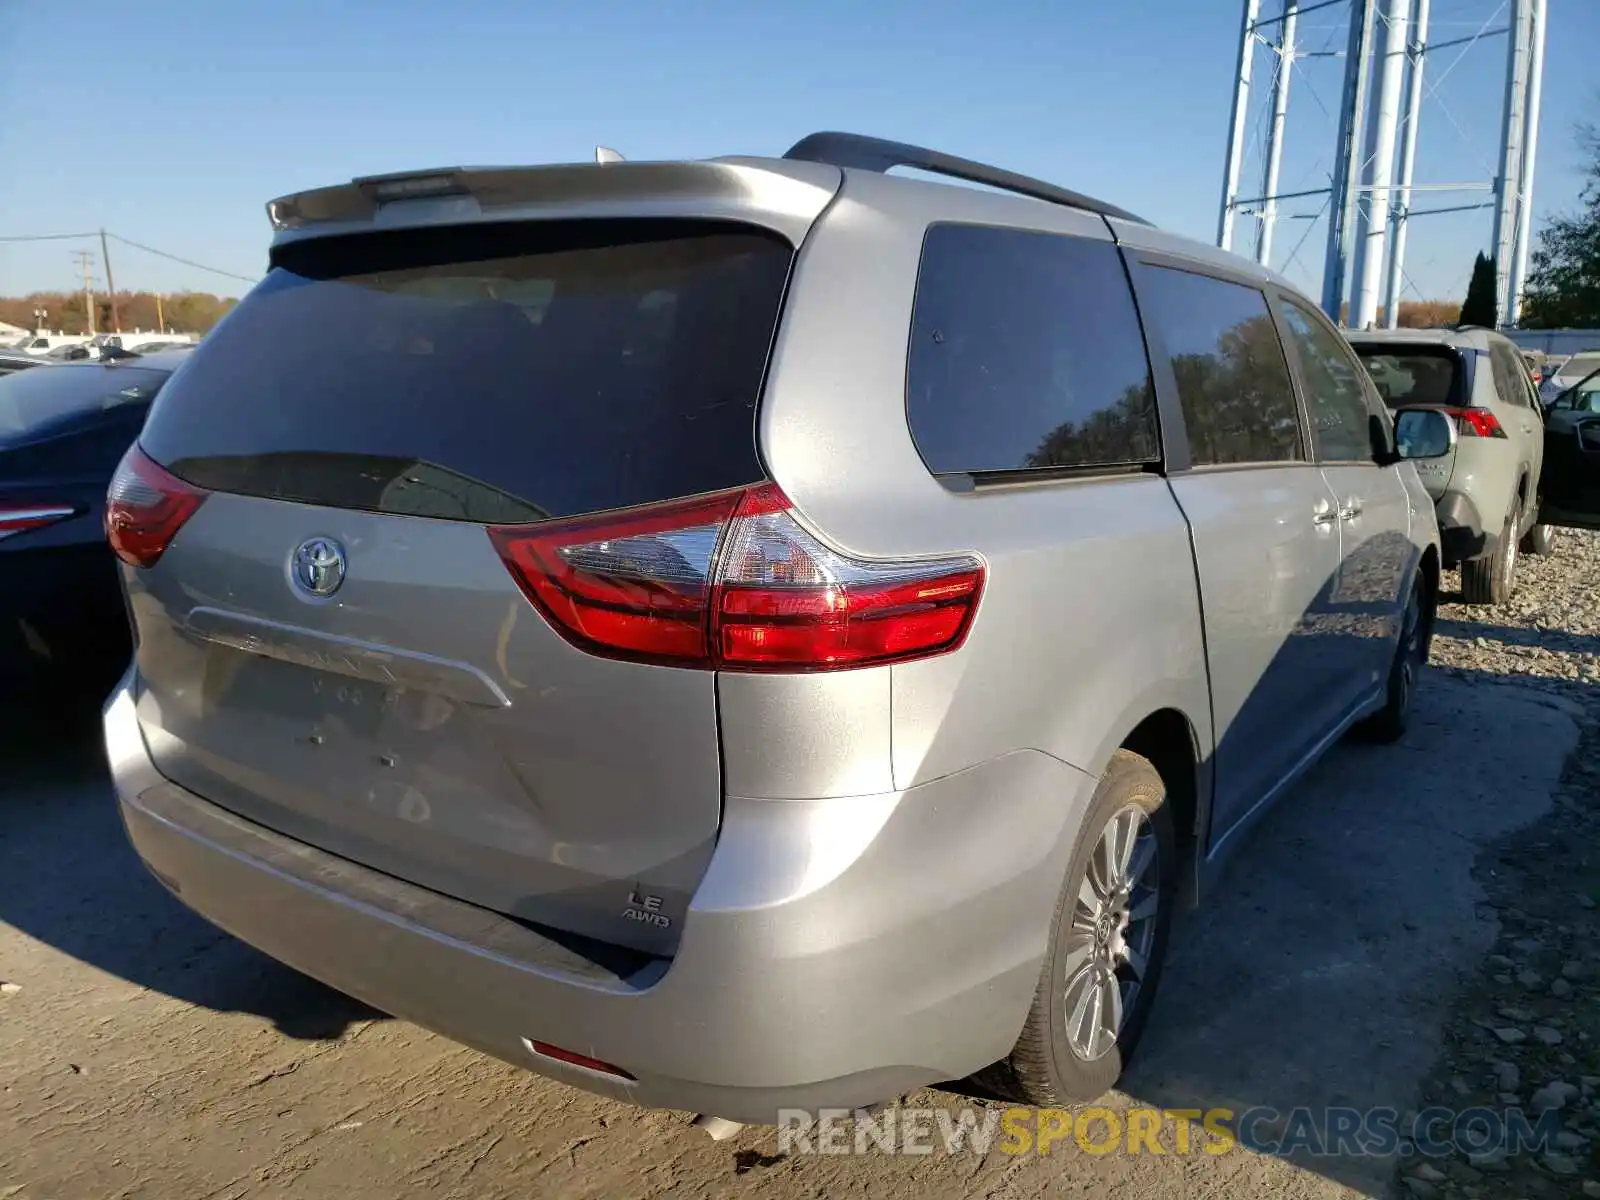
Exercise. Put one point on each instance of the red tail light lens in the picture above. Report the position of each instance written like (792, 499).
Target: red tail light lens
(22, 518)
(733, 581)
(145, 508)
(1476, 422)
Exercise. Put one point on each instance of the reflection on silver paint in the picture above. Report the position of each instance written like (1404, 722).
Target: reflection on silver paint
(345, 656)
(1274, 656)
(602, 775)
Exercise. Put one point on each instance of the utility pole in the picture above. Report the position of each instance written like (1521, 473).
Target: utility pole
(1512, 127)
(1236, 123)
(1280, 109)
(111, 286)
(161, 320)
(86, 265)
(1372, 235)
(1530, 148)
(1401, 208)
(1347, 159)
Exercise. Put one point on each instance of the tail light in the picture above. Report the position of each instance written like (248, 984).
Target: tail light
(732, 581)
(1476, 422)
(145, 508)
(33, 516)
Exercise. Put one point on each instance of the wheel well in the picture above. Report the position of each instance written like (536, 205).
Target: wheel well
(1522, 491)
(1430, 578)
(1166, 738)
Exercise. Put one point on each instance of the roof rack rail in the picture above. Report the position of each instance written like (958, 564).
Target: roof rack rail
(878, 154)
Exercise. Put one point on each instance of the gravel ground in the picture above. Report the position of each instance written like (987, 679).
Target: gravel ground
(1549, 632)
(1378, 932)
(1525, 1031)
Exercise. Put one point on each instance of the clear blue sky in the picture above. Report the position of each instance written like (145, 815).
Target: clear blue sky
(171, 122)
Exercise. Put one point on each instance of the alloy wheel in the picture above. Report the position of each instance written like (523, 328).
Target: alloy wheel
(1112, 933)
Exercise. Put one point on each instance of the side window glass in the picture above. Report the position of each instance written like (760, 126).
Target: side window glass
(1506, 384)
(1233, 381)
(1341, 429)
(1026, 354)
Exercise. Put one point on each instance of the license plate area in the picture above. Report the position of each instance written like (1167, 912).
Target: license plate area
(355, 708)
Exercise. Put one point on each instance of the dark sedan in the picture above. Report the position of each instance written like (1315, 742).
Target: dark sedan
(62, 432)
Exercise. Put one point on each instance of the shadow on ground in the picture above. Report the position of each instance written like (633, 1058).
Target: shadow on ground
(72, 881)
(1317, 974)
(1554, 641)
(1320, 969)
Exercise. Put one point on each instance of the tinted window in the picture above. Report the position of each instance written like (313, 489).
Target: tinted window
(1026, 354)
(30, 401)
(1335, 400)
(487, 373)
(1233, 381)
(1508, 374)
(1414, 375)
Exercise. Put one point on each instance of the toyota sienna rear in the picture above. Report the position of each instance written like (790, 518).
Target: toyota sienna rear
(727, 635)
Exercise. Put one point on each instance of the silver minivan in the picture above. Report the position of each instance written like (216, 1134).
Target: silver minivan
(752, 633)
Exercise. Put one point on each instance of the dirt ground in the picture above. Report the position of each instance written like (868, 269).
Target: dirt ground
(1343, 961)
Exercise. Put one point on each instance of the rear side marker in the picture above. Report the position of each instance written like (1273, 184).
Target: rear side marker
(733, 582)
(573, 1058)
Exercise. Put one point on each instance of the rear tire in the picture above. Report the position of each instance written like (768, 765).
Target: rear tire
(1067, 1051)
(1488, 580)
(1541, 539)
(1389, 723)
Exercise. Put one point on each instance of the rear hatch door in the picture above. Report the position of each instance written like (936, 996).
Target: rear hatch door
(331, 645)
(1421, 376)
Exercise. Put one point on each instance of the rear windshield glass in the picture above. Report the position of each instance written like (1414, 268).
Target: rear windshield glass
(32, 400)
(1414, 375)
(1580, 365)
(487, 373)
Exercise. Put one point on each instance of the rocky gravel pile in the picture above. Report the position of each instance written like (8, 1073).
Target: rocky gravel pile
(1549, 630)
(1526, 1033)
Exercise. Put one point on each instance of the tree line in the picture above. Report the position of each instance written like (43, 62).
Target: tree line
(180, 312)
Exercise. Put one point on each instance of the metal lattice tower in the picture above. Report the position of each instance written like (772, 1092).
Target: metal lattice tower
(1371, 181)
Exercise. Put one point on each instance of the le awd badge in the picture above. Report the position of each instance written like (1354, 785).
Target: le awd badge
(646, 909)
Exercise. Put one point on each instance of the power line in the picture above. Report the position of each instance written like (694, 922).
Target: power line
(188, 262)
(48, 237)
(185, 261)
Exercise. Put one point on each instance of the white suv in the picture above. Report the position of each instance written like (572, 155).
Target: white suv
(1486, 491)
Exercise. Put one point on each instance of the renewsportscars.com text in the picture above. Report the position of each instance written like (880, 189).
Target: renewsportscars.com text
(1334, 1131)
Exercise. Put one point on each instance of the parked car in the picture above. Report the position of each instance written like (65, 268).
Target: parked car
(76, 352)
(142, 341)
(1568, 374)
(1572, 454)
(43, 343)
(1486, 491)
(752, 633)
(63, 430)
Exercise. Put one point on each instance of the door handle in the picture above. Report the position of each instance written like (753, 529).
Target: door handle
(1351, 509)
(1322, 513)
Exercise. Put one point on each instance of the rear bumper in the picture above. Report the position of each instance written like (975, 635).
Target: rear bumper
(1461, 532)
(837, 952)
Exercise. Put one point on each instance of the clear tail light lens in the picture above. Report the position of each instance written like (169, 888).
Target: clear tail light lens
(145, 508)
(734, 582)
(22, 518)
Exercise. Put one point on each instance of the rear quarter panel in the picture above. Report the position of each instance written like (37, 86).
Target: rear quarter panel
(1090, 618)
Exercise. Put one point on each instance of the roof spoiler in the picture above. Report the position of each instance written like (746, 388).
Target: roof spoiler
(864, 153)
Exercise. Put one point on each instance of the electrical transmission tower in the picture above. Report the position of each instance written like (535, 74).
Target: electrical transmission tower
(1371, 180)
